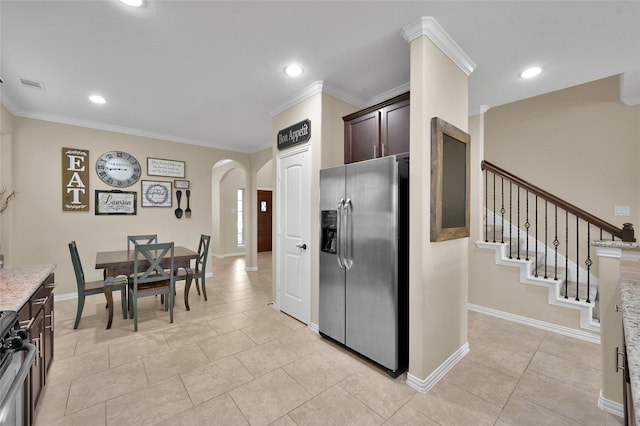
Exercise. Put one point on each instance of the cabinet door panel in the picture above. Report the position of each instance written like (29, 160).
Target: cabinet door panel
(362, 138)
(395, 128)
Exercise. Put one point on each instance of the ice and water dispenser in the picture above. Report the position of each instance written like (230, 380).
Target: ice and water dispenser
(328, 242)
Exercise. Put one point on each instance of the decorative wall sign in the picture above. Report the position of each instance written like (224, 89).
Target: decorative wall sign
(156, 194)
(75, 180)
(294, 135)
(161, 167)
(180, 184)
(116, 202)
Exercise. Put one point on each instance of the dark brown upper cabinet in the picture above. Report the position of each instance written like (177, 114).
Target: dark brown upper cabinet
(377, 131)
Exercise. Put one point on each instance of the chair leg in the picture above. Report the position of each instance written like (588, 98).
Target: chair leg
(79, 312)
(197, 287)
(171, 297)
(123, 300)
(204, 289)
(134, 303)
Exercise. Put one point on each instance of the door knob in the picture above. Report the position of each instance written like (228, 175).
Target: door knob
(303, 246)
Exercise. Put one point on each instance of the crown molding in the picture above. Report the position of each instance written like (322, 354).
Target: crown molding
(429, 27)
(398, 90)
(315, 88)
(124, 130)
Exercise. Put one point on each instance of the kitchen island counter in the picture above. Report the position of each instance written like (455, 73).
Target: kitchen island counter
(18, 283)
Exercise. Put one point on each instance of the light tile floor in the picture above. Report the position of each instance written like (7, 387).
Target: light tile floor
(233, 360)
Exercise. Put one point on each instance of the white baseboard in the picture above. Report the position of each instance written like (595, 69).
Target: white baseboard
(314, 327)
(611, 407)
(424, 385)
(223, 255)
(547, 326)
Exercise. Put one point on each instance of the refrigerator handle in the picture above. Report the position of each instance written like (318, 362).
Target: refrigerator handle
(339, 234)
(348, 262)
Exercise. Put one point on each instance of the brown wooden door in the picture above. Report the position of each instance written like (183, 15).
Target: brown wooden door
(264, 220)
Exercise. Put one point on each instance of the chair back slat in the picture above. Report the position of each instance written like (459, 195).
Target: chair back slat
(203, 252)
(153, 262)
(134, 240)
(77, 265)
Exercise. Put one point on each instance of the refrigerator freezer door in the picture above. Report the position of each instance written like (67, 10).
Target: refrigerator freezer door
(331, 321)
(371, 252)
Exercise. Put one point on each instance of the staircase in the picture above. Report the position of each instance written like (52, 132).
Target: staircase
(549, 239)
(538, 268)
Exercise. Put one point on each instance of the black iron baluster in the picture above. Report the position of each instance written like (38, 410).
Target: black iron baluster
(494, 207)
(527, 225)
(510, 219)
(556, 243)
(588, 262)
(502, 211)
(486, 206)
(546, 245)
(566, 254)
(577, 257)
(518, 189)
(536, 273)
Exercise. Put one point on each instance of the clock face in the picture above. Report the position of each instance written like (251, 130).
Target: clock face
(119, 169)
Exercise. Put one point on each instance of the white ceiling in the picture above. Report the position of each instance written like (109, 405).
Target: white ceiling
(211, 72)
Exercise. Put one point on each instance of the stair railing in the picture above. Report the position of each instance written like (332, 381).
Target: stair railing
(542, 202)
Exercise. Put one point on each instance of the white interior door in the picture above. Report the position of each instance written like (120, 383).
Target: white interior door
(293, 274)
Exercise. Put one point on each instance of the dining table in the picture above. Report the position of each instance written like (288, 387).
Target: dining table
(121, 262)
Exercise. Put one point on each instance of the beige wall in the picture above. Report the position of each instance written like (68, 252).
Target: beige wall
(40, 230)
(581, 144)
(437, 271)
(584, 139)
(327, 148)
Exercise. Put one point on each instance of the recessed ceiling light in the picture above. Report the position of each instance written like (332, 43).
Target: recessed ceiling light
(531, 72)
(97, 99)
(132, 3)
(293, 70)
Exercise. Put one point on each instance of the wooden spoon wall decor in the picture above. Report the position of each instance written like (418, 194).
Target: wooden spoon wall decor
(178, 210)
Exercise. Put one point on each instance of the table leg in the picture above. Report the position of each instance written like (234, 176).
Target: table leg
(108, 293)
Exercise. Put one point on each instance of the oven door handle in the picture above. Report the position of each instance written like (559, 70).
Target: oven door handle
(16, 386)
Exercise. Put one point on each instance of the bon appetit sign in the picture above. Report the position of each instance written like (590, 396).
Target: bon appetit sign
(294, 135)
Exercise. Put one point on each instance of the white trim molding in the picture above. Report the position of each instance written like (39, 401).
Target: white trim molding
(428, 26)
(611, 407)
(425, 385)
(546, 326)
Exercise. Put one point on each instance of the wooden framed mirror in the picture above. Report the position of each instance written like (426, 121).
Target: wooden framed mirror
(450, 181)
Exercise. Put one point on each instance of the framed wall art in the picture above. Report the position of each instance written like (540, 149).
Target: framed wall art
(116, 202)
(156, 194)
(181, 184)
(162, 167)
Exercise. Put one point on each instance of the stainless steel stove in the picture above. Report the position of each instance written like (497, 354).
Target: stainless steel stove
(16, 357)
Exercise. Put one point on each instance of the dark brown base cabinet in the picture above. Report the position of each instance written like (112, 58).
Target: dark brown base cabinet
(36, 317)
(377, 131)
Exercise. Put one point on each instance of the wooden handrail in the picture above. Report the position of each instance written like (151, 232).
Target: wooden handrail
(625, 233)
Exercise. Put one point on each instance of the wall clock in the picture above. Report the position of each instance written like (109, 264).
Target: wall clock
(119, 169)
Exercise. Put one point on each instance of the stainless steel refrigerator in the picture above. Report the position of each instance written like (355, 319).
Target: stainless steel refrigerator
(364, 259)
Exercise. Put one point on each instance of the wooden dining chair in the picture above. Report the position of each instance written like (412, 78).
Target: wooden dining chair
(133, 240)
(200, 267)
(95, 287)
(150, 277)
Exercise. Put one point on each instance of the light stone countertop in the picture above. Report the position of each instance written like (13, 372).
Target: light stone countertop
(630, 298)
(18, 283)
